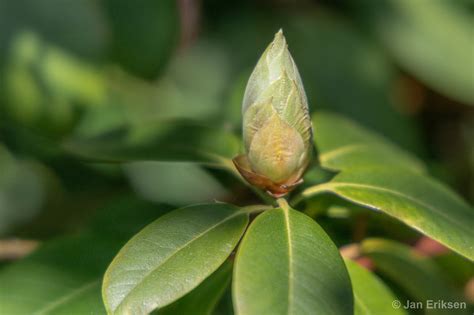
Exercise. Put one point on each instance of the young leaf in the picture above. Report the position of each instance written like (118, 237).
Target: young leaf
(203, 299)
(418, 276)
(371, 296)
(343, 144)
(168, 140)
(418, 201)
(286, 264)
(171, 256)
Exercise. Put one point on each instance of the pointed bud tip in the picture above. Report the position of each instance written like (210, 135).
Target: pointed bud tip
(279, 34)
(279, 40)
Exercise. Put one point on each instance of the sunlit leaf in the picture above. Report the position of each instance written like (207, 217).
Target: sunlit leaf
(371, 295)
(418, 201)
(171, 257)
(286, 264)
(343, 144)
(203, 299)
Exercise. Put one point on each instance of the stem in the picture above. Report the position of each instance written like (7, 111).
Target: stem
(282, 203)
(360, 228)
(266, 198)
(256, 208)
(309, 192)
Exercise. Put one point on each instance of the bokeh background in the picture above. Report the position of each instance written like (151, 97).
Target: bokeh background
(78, 68)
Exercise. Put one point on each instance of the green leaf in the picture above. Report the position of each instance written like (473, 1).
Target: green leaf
(169, 140)
(63, 276)
(84, 299)
(173, 183)
(286, 264)
(203, 299)
(418, 276)
(48, 282)
(458, 269)
(371, 295)
(171, 256)
(420, 34)
(418, 201)
(343, 144)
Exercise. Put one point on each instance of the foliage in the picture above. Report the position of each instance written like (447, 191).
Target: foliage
(121, 154)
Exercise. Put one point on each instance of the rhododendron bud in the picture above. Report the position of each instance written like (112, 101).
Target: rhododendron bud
(276, 123)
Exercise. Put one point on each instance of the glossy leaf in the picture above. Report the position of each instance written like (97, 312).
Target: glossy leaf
(419, 34)
(286, 264)
(371, 295)
(421, 277)
(203, 299)
(420, 202)
(171, 256)
(343, 144)
(169, 140)
(63, 276)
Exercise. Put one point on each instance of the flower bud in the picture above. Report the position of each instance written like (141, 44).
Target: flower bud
(276, 124)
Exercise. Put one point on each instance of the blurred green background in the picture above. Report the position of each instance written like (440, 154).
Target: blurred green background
(79, 68)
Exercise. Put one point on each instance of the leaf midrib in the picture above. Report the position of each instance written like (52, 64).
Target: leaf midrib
(290, 259)
(361, 303)
(175, 253)
(65, 298)
(327, 186)
(413, 199)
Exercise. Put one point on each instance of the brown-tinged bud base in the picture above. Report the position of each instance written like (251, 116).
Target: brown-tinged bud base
(275, 190)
